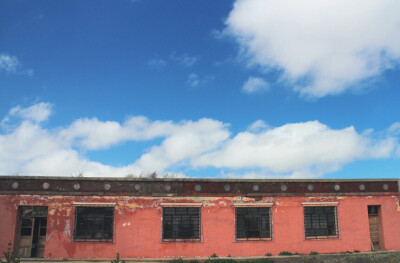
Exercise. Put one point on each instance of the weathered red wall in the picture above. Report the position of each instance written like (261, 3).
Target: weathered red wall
(8, 220)
(138, 227)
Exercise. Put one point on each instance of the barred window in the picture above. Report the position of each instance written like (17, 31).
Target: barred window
(253, 223)
(94, 223)
(373, 209)
(320, 222)
(181, 223)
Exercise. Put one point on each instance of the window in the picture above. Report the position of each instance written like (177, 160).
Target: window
(26, 227)
(253, 223)
(33, 218)
(181, 223)
(94, 223)
(33, 211)
(320, 222)
(373, 209)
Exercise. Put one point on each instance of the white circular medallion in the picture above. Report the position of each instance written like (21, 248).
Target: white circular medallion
(15, 185)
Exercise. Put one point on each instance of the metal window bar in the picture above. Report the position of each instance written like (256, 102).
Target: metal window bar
(94, 223)
(181, 223)
(320, 222)
(253, 223)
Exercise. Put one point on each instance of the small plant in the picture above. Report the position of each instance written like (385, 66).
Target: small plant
(268, 255)
(10, 256)
(356, 251)
(285, 253)
(313, 253)
(213, 255)
(117, 260)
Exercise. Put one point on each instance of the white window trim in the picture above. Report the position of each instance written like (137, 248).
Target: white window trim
(252, 204)
(94, 204)
(181, 204)
(320, 203)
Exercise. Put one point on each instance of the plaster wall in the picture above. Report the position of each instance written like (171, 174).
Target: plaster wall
(138, 226)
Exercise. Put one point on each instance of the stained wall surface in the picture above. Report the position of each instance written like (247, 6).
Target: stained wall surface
(138, 226)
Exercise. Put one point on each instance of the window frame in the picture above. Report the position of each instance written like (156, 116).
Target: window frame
(254, 205)
(94, 205)
(336, 220)
(181, 205)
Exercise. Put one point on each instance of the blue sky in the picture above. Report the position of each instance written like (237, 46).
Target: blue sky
(241, 89)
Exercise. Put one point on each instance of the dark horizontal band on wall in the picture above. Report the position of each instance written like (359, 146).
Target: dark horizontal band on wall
(193, 187)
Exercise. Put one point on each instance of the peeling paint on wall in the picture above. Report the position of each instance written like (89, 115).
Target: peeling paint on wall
(138, 226)
(396, 198)
(67, 229)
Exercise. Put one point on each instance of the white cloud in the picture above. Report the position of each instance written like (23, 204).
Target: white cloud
(93, 134)
(37, 113)
(195, 80)
(308, 149)
(263, 173)
(255, 85)
(322, 47)
(157, 63)
(394, 128)
(257, 126)
(185, 59)
(11, 64)
(32, 149)
(8, 63)
(189, 141)
(302, 148)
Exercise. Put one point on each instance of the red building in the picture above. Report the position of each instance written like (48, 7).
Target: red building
(157, 218)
